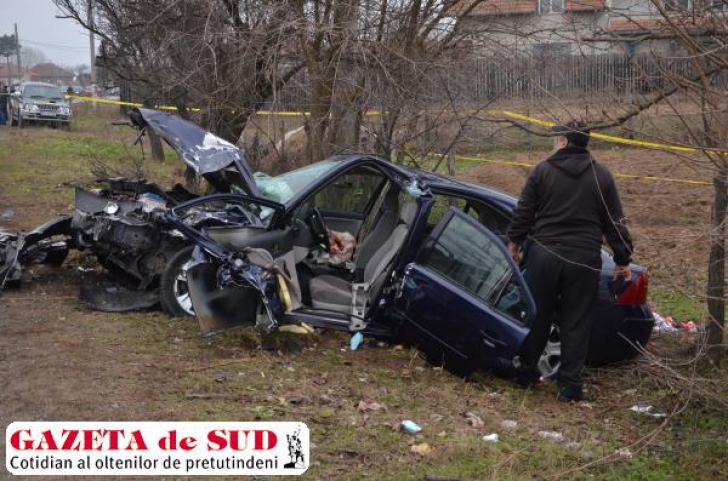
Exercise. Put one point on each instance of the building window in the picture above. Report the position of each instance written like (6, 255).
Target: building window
(551, 6)
(678, 5)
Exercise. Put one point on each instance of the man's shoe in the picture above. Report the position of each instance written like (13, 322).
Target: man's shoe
(526, 380)
(565, 396)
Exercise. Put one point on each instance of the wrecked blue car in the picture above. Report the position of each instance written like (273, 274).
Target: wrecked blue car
(359, 244)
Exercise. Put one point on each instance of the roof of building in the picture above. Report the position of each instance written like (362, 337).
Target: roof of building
(506, 7)
(49, 70)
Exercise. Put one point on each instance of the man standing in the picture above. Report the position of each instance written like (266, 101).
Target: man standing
(568, 204)
(4, 94)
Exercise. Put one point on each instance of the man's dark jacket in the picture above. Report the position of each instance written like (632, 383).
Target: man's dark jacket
(572, 200)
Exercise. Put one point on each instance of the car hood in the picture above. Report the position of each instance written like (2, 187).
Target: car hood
(203, 151)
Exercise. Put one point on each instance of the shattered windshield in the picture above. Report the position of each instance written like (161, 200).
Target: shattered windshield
(284, 187)
(42, 91)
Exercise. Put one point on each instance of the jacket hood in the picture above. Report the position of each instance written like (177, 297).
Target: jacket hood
(572, 160)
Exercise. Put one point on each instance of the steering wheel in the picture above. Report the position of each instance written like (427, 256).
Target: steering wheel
(318, 228)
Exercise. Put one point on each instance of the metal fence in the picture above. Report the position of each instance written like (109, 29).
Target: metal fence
(483, 79)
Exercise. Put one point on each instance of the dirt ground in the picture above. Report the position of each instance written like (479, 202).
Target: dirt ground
(61, 361)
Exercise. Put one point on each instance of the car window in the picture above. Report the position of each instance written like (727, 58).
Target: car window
(350, 193)
(493, 219)
(441, 206)
(472, 260)
(284, 187)
(42, 91)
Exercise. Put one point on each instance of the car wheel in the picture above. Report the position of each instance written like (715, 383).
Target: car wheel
(13, 120)
(550, 361)
(174, 295)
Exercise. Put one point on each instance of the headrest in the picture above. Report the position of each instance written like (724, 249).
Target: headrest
(408, 213)
(391, 200)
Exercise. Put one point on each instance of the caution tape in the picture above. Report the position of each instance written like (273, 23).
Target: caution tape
(608, 138)
(506, 113)
(123, 104)
(621, 176)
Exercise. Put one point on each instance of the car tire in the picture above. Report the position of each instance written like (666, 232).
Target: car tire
(173, 294)
(13, 120)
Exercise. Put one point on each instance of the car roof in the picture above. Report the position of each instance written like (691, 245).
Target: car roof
(436, 182)
(38, 84)
(451, 184)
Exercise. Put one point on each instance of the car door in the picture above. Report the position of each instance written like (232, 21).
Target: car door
(463, 299)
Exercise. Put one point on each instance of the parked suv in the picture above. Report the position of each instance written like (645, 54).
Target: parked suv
(39, 102)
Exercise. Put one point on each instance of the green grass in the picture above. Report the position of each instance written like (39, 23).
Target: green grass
(678, 305)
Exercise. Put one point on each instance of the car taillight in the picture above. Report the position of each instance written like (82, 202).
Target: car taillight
(636, 293)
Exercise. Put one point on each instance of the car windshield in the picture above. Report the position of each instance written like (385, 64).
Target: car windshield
(284, 187)
(42, 91)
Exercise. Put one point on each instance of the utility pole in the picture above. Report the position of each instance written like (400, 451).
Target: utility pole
(17, 52)
(92, 45)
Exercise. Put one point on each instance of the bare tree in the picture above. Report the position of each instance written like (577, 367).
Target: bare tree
(224, 55)
(364, 53)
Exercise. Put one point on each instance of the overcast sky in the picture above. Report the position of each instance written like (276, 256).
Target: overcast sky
(63, 41)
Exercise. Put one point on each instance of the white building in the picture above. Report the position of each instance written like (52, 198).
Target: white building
(559, 27)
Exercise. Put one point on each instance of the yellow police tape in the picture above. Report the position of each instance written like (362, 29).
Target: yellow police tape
(506, 113)
(621, 176)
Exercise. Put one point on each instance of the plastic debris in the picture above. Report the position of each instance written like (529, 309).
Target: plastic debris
(369, 406)
(356, 341)
(294, 329)
(509, 424)
(410, 427)
(644, 407)
(422, 449)
(491, 438)
(671, 324)
(551, 436)
(7, 214)
(474, 420)
(624, 453)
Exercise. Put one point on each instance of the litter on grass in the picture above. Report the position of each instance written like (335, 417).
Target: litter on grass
(410, 427)
(644, 407)
(369, 406)
(356, 341)
(422, 449)
(670, 324)
(474, 420)
(491, 438)
(551, 436)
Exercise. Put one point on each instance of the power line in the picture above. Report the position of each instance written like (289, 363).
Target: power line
(52, 45)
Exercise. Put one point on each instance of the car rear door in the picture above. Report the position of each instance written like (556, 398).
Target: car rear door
(463, 299)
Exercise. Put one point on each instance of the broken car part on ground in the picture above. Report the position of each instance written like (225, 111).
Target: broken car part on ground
(429, 265)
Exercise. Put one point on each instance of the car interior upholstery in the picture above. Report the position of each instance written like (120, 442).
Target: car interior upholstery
(329, 292)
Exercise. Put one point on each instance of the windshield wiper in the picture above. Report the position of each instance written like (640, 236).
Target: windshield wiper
(37, 96)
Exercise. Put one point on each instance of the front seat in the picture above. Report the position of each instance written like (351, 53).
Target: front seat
(335, 294)
(385, 223)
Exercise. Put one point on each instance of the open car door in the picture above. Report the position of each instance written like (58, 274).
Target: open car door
(463, 299)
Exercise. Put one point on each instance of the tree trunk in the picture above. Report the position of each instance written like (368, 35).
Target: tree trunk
(156, 145)
(716, 268)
